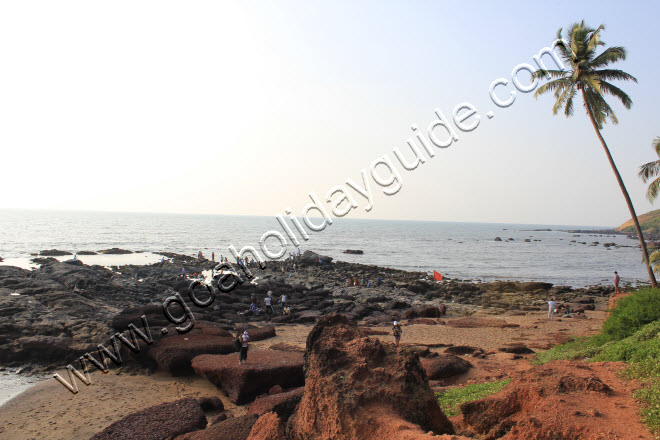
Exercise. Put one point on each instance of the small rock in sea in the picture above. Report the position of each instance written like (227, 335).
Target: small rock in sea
(54, 253)
(354, 251)
(115, 251)
(498, 239)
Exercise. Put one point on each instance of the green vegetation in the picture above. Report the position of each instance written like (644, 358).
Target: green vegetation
(650, 171)
(649, 222)
(589, 75)
(631, 334)
(451, 399)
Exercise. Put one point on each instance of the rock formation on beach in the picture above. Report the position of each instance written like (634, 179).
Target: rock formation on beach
(356, 387)
(51, 315)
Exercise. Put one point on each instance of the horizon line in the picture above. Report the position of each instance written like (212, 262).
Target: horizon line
(267, 216)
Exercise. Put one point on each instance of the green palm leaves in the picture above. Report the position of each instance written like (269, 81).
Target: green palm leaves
(650, 170)
(587, 72)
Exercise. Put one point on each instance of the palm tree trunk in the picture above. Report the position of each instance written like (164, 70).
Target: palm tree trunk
(642, 242)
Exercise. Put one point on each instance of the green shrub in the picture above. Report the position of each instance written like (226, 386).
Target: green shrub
(451, 399)
(632, 313)
(651, 414)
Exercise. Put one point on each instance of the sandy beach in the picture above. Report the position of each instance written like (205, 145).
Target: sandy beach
(49, 411)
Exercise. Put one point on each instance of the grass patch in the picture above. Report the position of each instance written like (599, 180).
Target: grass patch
(631, 334)
(451, 399)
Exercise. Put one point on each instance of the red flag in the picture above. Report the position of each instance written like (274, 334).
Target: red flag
(437, 276)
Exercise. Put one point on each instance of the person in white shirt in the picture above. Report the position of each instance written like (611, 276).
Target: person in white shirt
(269, 303)
(283, 301)
(244, 337)
(552, 307)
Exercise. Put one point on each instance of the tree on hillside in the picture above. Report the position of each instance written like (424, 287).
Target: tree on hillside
(589, 75)
(651, 170)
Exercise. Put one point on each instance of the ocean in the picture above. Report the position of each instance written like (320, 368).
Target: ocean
(457, 250)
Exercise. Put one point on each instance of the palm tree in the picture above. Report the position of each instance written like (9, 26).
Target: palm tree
(650, 170)
(588, 74)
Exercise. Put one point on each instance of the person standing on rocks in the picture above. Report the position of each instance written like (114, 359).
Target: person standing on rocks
(552, 306)
(269, 303)
(616, 282)
(244, 337)
(283, 302)
(396, 331)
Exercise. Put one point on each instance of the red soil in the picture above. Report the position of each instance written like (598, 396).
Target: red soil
(558, 401)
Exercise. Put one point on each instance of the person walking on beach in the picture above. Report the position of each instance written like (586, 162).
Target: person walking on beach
(616, 282)
(213, 257)
(552, 306)
(396, 331)
(244, 338)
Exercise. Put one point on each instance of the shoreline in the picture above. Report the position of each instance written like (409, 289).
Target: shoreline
(150, 258)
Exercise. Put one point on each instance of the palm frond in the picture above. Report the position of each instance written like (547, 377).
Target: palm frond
(551, 86)
(568, 107)
(649, 170)
(656, 145)
(610, 74)
(561, 94)
(616, 92)
(609, 55)
(594, 39)
(542, 73)
(654, 257)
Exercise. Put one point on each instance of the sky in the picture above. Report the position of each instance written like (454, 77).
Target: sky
(246, 107)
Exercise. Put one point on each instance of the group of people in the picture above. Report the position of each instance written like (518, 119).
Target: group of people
(269, 310)
(565, 309)
(354, 282)
(556, 309)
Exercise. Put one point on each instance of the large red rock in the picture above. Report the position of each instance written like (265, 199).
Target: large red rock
(444, 366)
(283, 403)
(175, 353)
(236, 428)
(160, 422)
(358, 388)
(263, 370)
(268, 427)
(261, 333)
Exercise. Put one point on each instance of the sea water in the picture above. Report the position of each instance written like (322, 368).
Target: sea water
(457, 250)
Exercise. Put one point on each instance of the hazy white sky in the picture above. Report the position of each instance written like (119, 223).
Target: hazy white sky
(245, 107)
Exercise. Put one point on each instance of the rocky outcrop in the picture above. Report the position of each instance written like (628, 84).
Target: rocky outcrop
(309, 258)
(174, 354)
(77, 306)
(263, 370)
(282, 403)
(268, 427)
(235, 428)
(160, 422)
(352, 378)
(444, 366)
(54, 253)
(115, 251)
